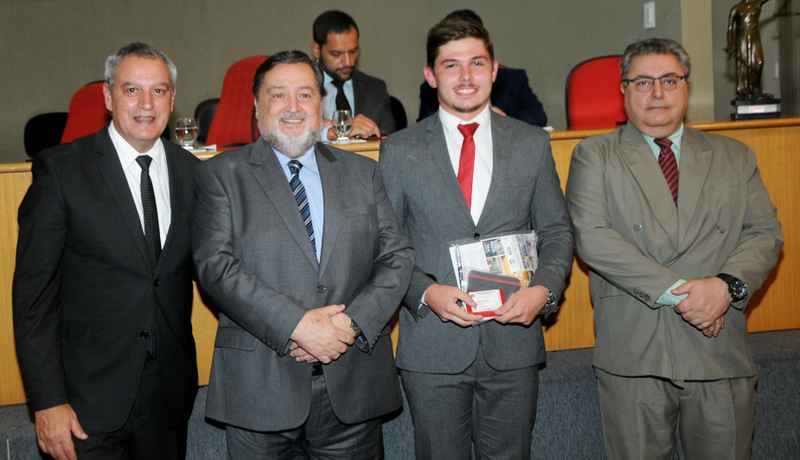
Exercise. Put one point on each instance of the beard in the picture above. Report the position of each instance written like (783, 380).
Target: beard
(291, 146)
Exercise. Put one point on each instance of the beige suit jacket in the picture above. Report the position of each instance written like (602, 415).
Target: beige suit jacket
(637, 243)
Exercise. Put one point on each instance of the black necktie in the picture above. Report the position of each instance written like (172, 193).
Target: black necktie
(341, 99)
(151, 235)
(301, 199)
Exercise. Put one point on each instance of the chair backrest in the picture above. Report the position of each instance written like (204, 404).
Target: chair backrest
(234, 122)
(204, 114)
(43, 131)
(594, 100)
(87, 112)
(399, 113)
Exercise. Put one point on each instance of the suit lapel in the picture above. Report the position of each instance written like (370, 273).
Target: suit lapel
(334, 202)
(269, 175)
(110, 169)
(440, 156)
(694, 169)
(646, 172)
(176, 186)
(358, 93)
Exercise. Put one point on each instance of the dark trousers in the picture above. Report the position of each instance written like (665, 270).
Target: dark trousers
(321, 436)
(145, 434)
(490, 409)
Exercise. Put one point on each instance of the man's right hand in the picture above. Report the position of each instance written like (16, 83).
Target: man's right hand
(442, 300)
(54, 429)
(318, 335)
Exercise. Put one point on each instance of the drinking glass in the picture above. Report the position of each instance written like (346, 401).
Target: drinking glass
(186, 132)
(342, 124)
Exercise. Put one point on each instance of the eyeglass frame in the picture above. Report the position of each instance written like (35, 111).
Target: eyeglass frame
(628, 81)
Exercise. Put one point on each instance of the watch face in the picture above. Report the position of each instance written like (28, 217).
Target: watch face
(737, 290)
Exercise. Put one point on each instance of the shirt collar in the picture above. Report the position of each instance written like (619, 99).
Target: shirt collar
(676, 138)
(127, 154)
(451, 122)
(308, 159)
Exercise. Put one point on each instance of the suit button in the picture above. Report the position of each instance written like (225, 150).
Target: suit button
(720, 229)
(322, 289)
(637, 227)
(477, 236)
(144, 334)
(156, 282)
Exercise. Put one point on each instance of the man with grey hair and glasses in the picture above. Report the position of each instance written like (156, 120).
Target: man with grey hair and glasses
(102, 290)
(678, 232)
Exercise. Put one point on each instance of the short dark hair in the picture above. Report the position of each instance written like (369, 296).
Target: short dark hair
(142, 50)
(288, 57)
(465, 14)
(456, 28)
(334, 21)
(655, 46)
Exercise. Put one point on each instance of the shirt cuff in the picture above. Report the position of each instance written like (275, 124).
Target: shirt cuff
(668, 298)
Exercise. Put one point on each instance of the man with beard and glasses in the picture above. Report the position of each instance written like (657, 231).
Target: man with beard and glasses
(336, 49)
(297, 245)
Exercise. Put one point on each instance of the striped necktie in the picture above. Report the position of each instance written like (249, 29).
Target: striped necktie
(669, 166)
(301, 198)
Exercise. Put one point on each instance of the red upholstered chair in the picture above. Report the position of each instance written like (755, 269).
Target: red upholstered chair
(87, 112)
(594, 100)
(234, 122)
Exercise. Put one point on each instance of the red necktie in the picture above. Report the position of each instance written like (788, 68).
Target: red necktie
(466, 165)
(666, 159)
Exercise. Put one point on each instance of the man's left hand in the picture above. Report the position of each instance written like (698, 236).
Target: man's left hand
(523, 306)
(707, 300)
(363, 128)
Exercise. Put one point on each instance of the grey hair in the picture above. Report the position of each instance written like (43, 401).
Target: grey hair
(655, 46)
(141, 50)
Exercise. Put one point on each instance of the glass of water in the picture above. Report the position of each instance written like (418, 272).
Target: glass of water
(342, 124)
(186, 132)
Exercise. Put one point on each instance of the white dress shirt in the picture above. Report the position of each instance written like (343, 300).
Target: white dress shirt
(158, 175)
(482, 174)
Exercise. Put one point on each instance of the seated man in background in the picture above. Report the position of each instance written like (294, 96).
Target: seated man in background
(336, 49)
(511, 94)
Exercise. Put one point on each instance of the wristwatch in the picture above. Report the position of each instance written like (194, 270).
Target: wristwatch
(736, 287)
(355, 327)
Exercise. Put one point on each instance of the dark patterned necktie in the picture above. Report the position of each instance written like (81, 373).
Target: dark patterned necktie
(466, 164)
(151, 236)
(669, 166)
(301, 198)
(341, 99)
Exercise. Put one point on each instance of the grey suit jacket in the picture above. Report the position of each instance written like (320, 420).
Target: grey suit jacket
(255, 260)
(372, 100)
(85, 289)
(637, 243)
(429, 204)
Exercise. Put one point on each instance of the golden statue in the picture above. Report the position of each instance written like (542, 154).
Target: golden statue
(744, 45)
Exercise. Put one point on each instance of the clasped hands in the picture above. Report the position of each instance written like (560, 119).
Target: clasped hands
(322, 335)
(705, 306)
(522, 307)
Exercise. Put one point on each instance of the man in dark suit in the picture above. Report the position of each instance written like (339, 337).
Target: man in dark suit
(335, 47)
(466, 381)
(103, 283)
(654, 204)
(297, 245)
(511, 94)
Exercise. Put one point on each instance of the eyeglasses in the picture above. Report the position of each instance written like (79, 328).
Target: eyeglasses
(668, 82)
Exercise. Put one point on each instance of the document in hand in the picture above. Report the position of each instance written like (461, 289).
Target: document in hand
(493, 268)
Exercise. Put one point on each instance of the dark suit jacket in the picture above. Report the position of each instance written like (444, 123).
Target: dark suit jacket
(372, 100)
(511, 93)
(429, 204)
(637, 244)
(255, 260)
(85, 289)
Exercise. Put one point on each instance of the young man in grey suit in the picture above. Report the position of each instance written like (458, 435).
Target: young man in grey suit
(466, 382)
(103, 284)
(654, 204)
(336, 49)
(297, 245)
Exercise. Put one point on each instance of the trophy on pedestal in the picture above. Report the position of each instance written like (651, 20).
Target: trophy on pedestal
(744, 46)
